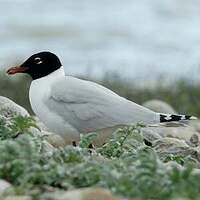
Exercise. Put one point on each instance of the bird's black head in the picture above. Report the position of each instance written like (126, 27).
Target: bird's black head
(38, 65)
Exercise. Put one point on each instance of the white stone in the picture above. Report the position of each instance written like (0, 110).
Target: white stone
(159, 106)
(17, 198)
(174, 130)
(54, 139)
(172, 146)
(195, 124)
(85, 194)
(4, 185)
(8, 108)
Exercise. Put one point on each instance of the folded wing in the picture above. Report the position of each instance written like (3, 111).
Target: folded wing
(88, 106)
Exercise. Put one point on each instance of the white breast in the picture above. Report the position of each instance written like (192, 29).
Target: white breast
(40, 91)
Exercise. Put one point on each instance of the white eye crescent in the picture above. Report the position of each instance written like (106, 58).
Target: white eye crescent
(38, 60)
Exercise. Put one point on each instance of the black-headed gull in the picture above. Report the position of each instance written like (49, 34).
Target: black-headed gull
(70, 106)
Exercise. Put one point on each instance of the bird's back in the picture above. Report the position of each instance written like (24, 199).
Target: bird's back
(88, 106)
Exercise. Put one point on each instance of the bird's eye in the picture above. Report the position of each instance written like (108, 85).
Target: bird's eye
(38, 60)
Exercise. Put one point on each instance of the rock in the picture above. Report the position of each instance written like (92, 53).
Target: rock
(195, 124)
(196, 171)
(47, 148)
(54, 139)
(173, 146)
(17, 198)
(8, 108)
(194, 140)
(174, 130)
(159, 106)
(84, 194)
(4, 185)
(150, 135)
(169, 144)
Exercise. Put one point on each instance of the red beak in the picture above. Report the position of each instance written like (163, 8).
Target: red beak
(15, 70)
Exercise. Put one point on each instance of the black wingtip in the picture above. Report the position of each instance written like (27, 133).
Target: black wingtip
(174, 118)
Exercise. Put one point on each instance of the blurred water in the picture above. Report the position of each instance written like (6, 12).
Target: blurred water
(136, 38)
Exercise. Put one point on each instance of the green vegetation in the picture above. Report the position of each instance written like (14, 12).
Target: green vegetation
(15, 127)
(124, 165)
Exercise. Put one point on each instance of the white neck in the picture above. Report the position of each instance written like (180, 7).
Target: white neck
(40, 89)
(52, 76)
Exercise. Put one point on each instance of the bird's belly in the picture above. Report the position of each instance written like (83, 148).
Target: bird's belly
(45, 115)
(52, 120)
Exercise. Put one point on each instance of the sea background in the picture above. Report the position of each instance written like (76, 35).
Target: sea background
(137, 39)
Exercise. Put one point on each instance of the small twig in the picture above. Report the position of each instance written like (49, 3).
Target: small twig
(15, 136)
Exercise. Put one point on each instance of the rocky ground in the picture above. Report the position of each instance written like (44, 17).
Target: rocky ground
(138, 162)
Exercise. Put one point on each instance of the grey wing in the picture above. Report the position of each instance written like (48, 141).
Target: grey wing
(88, 106)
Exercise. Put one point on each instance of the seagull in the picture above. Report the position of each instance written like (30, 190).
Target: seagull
(70, 106)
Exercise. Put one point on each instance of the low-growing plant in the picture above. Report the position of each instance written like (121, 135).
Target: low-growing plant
(124, 165)
(15, 126)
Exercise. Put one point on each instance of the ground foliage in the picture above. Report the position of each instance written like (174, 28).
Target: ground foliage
(124, 165)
